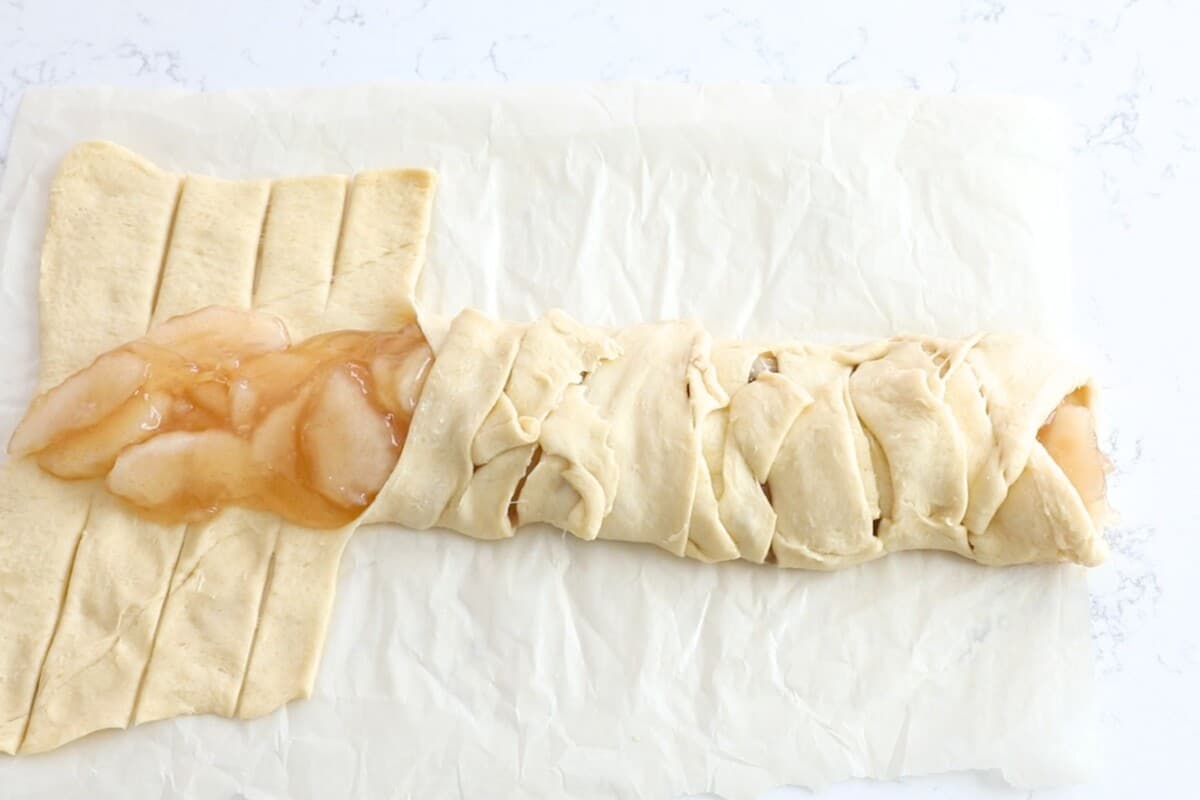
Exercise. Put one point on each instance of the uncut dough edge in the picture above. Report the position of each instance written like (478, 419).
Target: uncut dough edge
(382, 243)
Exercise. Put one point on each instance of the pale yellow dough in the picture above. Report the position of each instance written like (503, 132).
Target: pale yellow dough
(807, 456)
(116, 620)
(837, 456)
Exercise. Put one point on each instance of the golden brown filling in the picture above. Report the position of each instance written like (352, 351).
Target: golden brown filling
(218, 408)
(1069, 436)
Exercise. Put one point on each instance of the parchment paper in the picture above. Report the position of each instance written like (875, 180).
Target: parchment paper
(544, 666)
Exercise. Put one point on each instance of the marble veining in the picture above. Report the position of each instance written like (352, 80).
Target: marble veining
(1125, 71)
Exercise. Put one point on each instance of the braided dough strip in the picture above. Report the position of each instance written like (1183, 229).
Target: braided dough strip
(836, 456)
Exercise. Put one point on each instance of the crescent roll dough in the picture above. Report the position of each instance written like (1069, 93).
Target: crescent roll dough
(802, 455)
(110, 619)
(830, 457)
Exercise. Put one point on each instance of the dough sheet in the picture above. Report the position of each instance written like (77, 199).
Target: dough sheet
(120, 620)
(455, 667)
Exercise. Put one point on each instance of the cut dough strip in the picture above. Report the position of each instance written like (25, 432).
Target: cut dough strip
(393, 210)
(211, 602)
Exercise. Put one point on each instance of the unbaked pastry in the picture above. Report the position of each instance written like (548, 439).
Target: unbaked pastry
(801, 455)
(111, 619)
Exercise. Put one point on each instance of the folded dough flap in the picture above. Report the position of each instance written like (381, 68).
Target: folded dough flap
(901, 399)
(809, 456)
(498, 436)
(1045, 454)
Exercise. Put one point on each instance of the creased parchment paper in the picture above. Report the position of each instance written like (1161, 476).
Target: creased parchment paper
(547, 667)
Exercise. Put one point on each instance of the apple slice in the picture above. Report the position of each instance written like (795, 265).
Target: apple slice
(185, 471)
(348, 445)
(264, 382)
(79, 402)
(90, 453)
(1069, 436)
(212, 396)
(216, 335)
(274, 441)
(399, 378)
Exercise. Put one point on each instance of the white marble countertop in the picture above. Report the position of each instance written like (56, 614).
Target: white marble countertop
(1120, 68)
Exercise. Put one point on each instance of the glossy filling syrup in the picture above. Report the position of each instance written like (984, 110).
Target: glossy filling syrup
(218, 408)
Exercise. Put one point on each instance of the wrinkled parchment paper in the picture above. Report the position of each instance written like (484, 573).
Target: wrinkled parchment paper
(544, 666)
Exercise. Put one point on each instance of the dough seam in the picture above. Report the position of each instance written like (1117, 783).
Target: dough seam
(256, 275)
(514, 504)
(37, 689)
(162, 262)
(535, 446)
(141, 685)
(258, 617)
(339, 243)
